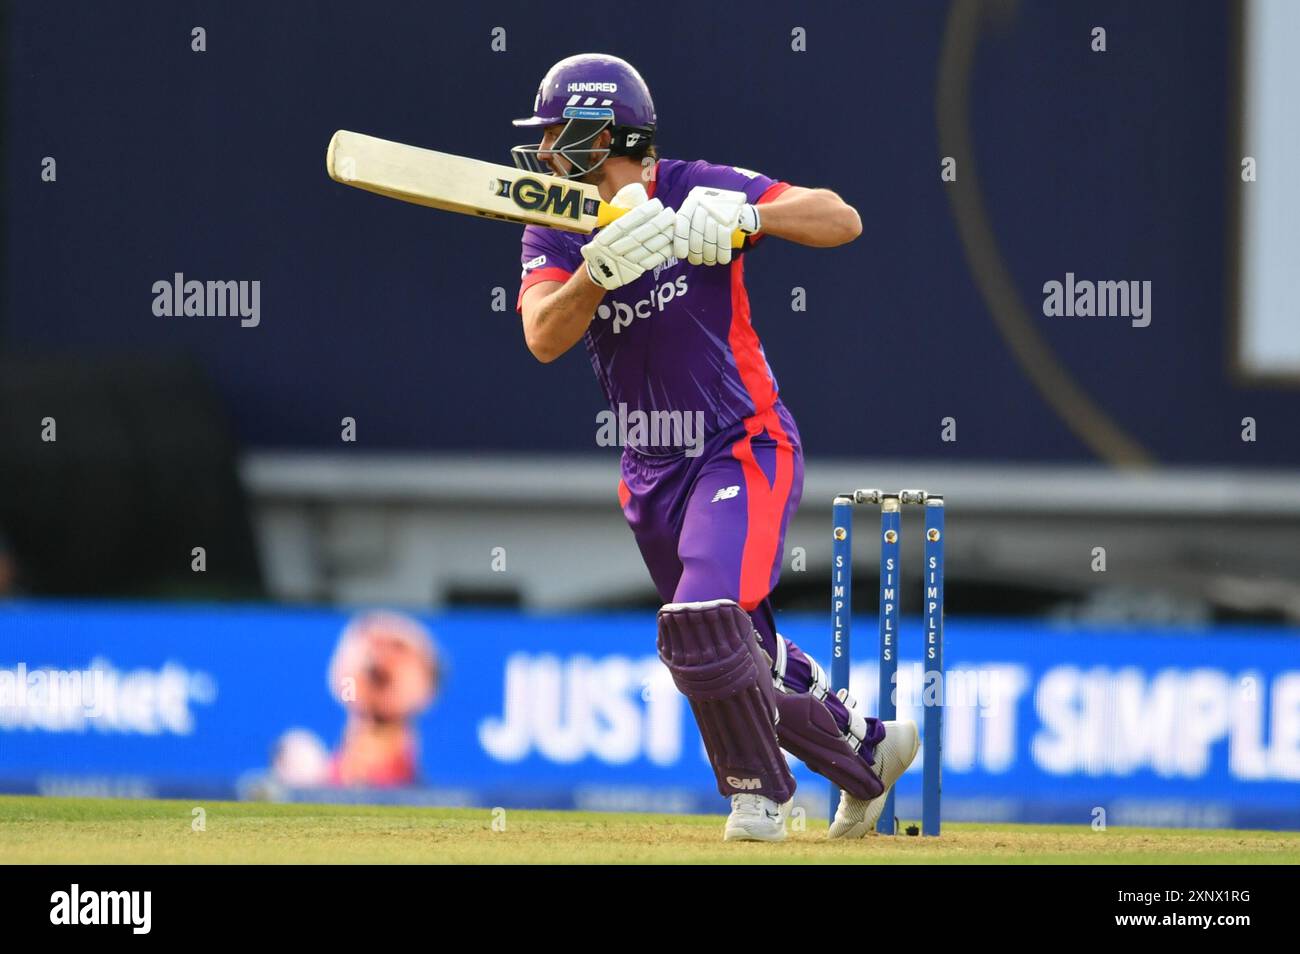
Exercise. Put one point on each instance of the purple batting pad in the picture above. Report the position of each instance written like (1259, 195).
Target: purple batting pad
(716, 664)
(808, 731)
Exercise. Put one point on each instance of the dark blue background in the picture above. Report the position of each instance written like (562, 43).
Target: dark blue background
(1114, 166)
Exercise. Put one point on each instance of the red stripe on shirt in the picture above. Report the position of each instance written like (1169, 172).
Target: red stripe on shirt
(750, 363)
(774, 190)
(766, 502)
(552, 273)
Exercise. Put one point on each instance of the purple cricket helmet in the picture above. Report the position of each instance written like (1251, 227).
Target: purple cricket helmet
(589, 93)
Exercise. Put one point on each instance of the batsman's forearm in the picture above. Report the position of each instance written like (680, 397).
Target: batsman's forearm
(561, 318)
(816, 217)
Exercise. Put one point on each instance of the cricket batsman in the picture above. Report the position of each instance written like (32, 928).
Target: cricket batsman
(658, 298)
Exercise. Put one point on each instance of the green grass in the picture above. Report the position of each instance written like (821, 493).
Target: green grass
(109, 831)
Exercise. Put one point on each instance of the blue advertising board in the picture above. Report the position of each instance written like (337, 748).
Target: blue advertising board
(1135, 726)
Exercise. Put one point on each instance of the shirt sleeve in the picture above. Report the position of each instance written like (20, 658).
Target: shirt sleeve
(757, 187)
(545, 257)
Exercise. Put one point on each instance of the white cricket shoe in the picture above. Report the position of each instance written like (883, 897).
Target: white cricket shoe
(755, 818)
(857, 816)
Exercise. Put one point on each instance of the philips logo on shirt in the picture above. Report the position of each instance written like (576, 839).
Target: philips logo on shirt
(623, 314)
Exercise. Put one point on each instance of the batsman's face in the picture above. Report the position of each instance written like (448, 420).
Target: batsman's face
(555, 160)
(562, 166)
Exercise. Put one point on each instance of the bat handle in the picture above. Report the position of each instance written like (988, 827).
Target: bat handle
(608, 213)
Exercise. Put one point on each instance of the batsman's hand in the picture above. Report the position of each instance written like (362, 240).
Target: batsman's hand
(705, 221)
(633, 243)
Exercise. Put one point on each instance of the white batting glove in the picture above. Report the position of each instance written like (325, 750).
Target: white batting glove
(705, 221)
(632, 244)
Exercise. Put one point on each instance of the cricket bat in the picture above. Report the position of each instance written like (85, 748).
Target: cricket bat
(469, 186)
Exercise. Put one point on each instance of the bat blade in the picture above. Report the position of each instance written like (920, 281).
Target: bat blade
(439, 180)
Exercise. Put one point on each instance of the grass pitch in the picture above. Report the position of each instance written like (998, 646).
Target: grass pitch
(110, 831)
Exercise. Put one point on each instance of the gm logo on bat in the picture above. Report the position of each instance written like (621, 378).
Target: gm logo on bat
(536, 196)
